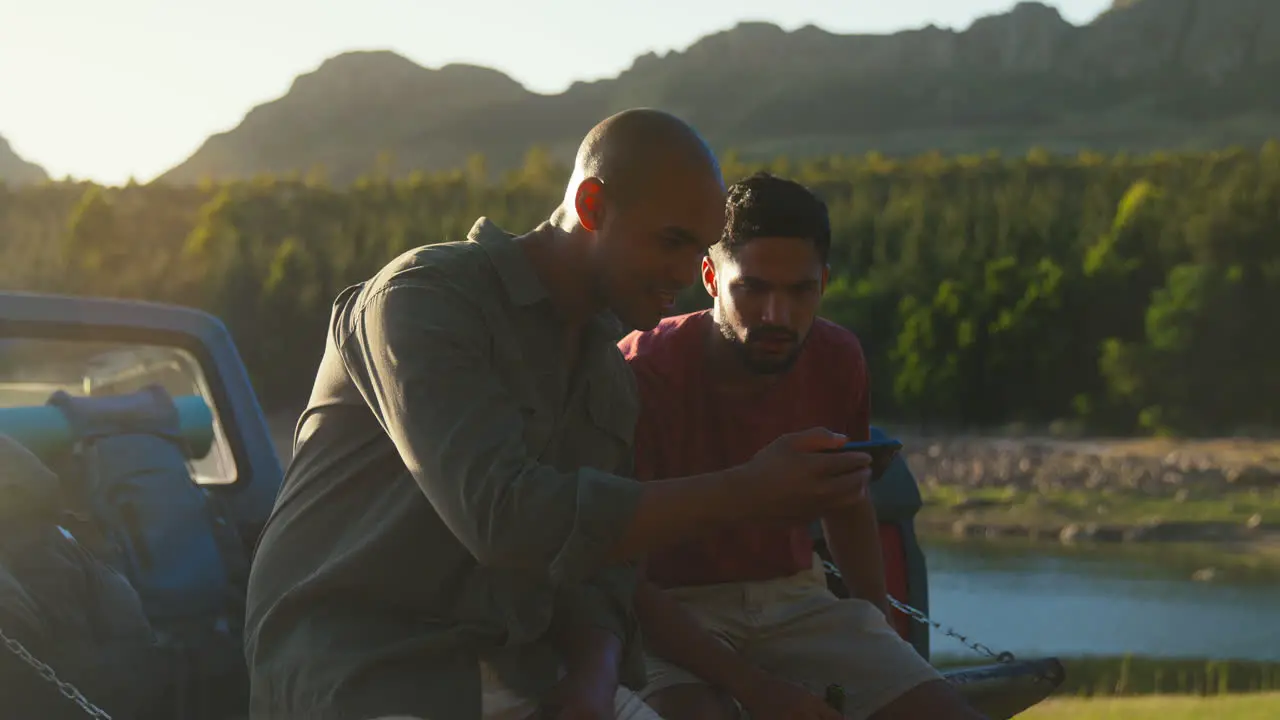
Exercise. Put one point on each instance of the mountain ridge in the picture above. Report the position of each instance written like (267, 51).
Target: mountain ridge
(1143, 75)
(15, 170)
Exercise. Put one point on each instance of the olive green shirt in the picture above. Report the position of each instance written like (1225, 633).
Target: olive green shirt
(452, 498)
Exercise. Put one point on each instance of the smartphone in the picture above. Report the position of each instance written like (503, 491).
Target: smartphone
(882, 452)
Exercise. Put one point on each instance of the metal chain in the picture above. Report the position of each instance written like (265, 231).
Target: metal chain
(919, 616)
(68, 690)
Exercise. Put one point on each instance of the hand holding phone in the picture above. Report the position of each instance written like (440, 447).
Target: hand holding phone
(882, 453)
(798, 478)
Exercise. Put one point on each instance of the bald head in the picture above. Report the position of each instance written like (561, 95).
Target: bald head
(633, 149)
(645, 202)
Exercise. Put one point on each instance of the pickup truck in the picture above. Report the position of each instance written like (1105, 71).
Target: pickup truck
(144, 417)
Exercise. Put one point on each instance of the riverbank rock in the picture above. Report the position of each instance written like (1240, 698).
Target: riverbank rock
(1251, 477)
(1030, 464)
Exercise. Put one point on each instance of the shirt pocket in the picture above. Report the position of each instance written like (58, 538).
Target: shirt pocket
(538, 420)
(605, 437)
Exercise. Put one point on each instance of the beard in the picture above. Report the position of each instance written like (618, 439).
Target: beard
(754, 359)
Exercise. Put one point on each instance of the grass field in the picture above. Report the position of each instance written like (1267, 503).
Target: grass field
(1219, 707)
(1146, 676)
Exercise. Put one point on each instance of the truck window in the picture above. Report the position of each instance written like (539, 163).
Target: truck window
(32, 369)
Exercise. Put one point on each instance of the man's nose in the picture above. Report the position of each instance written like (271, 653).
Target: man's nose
(777, 311)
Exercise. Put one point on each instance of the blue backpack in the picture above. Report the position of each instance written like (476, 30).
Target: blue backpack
(162, 530)
(166, 534)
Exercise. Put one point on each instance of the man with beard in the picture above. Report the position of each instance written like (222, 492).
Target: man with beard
(457, 531)
(744, 617)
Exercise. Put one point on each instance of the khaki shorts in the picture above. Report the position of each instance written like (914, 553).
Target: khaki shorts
(498, 702)
(796, 629)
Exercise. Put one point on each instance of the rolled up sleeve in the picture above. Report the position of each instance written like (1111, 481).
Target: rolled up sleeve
(602, 602)
(606, 602)
(422, 356)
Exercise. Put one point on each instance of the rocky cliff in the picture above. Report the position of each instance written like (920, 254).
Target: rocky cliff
(1144, 75)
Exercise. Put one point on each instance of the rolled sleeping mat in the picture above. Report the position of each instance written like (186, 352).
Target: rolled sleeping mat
(45, 431)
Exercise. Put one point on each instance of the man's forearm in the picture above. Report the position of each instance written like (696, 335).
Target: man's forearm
(587, 648)
(675, 511)
(675, 635)
(853, 536)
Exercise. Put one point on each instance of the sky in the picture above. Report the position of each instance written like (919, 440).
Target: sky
(106, 90)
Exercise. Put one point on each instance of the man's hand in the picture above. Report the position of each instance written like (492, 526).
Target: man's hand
(772, 698)
(582, 694)
(586, 692)
(798, 481)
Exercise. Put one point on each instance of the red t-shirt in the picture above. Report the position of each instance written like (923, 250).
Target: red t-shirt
(688, 428)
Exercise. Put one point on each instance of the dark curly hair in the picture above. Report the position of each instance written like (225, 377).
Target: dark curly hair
(765, 205)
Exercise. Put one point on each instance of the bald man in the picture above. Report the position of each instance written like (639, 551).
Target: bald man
(457, 533)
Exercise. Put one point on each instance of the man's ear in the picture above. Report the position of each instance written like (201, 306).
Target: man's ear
(588, 203)
(826, 275)
(709, 281)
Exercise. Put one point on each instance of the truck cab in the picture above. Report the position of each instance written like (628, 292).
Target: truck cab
(94, 347)
(64, 359)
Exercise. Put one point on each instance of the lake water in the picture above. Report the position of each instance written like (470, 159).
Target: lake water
(1101, 601)
(1106, 600)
